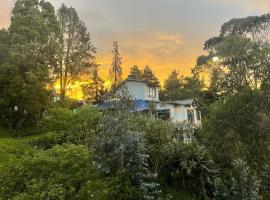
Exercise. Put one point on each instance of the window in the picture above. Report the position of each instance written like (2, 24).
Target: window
(164, 114)
(190, 115)
(198, 113)
(151, 91)
(187, 137)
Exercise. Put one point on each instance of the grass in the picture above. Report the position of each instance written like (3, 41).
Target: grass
(12, 147)
(6, 133)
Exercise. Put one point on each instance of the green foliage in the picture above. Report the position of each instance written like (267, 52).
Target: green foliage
(58, 119)
(158, 137)
(47, 140)
(241, 51)
(93, 92)
(12, 149)
(176, 88)
(64, 125)
(116, 69)
(234, 130)
(64, 172)
(121, 152)
(136, 73)
(149, 77)
(190, 166)
(76, 52)
(173, 193)
(29, 50)
(242, 184)
(172, 87)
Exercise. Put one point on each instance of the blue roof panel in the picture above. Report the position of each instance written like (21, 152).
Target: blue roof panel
(140, 105)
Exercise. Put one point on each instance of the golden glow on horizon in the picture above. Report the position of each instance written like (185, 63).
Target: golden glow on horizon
(107, 84)
(74, 90)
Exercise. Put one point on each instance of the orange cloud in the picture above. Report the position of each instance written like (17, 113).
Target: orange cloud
(162, 51)
(251, 5)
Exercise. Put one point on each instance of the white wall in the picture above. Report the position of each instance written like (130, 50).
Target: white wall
(178, 113)
(139, 90)
(196, 120)
(136, 89)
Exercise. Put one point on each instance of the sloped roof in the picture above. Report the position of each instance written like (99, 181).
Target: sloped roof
(184, 102)
(139, 105)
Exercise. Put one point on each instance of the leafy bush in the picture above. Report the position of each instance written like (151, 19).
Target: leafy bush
(121, 152)
(242, 184)
(12, 149)
(63, 172)
(234, 130)
(191, 167)
(158, 137)
(58, 119)
(47, 140)
(65, 125)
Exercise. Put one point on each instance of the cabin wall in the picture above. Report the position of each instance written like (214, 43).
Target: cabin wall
(136, 89)
(197, 119)
(180, 113)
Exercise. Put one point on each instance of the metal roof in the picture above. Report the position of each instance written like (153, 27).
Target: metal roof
(139, 105)
(184, 102)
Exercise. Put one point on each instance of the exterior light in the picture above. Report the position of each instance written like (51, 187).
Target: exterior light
(215, 59)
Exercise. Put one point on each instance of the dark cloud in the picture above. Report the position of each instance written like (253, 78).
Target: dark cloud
(164, 34)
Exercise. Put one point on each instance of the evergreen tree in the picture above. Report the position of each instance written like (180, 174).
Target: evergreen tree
(136, 72)
(76, 50)
(172, 87)
(28, 49)
(149, 76)
(94, 91)
(192, 86)
(116, 69)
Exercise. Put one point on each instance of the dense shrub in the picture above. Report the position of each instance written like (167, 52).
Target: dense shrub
(234, 130)
(64, 125)
(63, 172)
(242, 184)
(122, 153)
(58, 119)
(158, 137)
(190, 166)
(47, 140)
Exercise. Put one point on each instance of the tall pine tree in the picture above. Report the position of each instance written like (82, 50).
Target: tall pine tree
(116, 69)
(149, 77)
(94, 91)
(172, 87)
(135, 72)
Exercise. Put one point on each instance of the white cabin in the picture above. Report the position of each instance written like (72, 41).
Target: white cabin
(138, 89)
(179, 111)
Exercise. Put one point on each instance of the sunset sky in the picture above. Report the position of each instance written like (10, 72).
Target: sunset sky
(164, 34)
